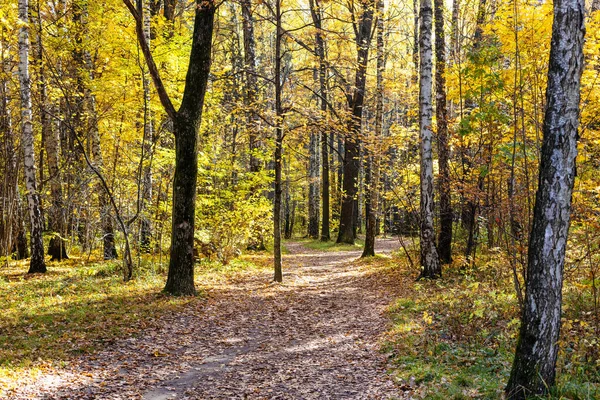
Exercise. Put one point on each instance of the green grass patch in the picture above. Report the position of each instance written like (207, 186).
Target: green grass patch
(79, 307)
(332, 245)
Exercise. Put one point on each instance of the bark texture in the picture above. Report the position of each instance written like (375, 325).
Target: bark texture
(355, 100)
(317, 18)
(430, 262)
(180, 279)
(278, 274)
(534, 367)
(374, 150)
(445, 235)
(37, 263)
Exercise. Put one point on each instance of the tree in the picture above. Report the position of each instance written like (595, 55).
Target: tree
(430, 262)
(374, 156)
(37, 263)
(186, 121)
(278, 275)
(445, 236)
(534, 366)
(355, 99)
(317, 17)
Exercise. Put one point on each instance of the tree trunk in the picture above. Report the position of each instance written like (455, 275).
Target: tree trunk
(313, 187)
(145, 225)
(251, 84)
(180, 279)
(373, 183)
(534, 366)
(278, 275)
(346, 232)
(430, 262)
(37, 263)
(317, 18)
(445, 237)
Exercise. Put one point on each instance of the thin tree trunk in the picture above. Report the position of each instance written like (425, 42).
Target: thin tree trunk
(37, 263)
(313, 186)
(146, 226)
(251, 84)
(278, 275)
(317, 18)
(430, 262)
(445, 236)
(534, 366)
(373, 183)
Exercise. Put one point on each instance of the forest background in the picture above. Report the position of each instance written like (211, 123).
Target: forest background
(288, 77)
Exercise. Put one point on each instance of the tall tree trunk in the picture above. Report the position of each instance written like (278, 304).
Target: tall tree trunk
(445, 237)
(355, 99)
(251, 84)
(37, 263)
(373, 184)
(278, 275)
(51, 143)
(148, 140)
(534, 366)
(415, 50)
(430, 262)
(186, 121)
(313, 186)
(315, 8)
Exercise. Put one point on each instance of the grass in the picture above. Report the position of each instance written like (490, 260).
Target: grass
(454, 338)
(332, 245)
(79, 307)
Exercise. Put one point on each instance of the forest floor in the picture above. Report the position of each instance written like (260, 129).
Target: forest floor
(317, 335)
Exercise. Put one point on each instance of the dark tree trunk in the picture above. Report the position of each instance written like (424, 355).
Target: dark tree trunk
(373, 181)
(316, 13)
(534, 366)
(351, 165)
(445, 235)
(278, 274)
(186, 121)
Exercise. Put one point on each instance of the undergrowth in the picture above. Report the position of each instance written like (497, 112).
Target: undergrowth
(454, 338)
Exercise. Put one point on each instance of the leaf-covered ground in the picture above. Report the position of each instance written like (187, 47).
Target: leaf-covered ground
(316, 336)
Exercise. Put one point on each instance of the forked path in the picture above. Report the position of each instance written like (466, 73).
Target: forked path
(316, 336)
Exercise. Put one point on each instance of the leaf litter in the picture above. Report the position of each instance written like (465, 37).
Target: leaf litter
(316, 336)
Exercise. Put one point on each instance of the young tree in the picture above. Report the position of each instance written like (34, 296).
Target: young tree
(441, 112)
(430, 262)
(37, 263)
(186, 121)
(534, 367)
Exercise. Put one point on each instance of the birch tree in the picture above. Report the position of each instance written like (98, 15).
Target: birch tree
(430, 262)
(37, 263)
(534, 366)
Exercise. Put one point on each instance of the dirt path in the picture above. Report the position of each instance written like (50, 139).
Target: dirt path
(313, 337)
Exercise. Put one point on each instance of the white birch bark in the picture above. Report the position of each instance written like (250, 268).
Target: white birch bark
(429, 258)
(37, 263)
